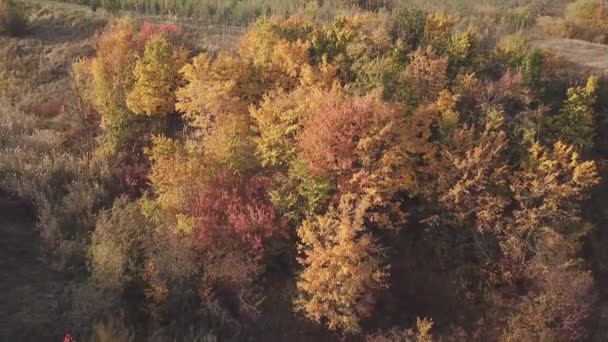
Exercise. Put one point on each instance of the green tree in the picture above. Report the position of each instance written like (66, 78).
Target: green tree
(575, 122)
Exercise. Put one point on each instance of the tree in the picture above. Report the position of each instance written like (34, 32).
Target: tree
(428, 72)
(156, 78)
(235, 212)
(548, 192)
(111, 79)
(342, 263)
(407, 24)
(330, 135)
(279, 119)
(575, 122)
(215, 87)
(230, 145)
(438, 29)
(478, 179)
(175, 188)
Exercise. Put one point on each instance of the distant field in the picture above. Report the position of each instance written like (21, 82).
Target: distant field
(242, 12)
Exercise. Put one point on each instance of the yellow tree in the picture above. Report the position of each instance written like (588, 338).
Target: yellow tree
(548, 192)
(216, 86)
(342, 264)
(279, 119)
(156, 76)
(477, 173)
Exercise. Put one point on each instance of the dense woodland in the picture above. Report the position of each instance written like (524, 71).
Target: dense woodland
(394, 174)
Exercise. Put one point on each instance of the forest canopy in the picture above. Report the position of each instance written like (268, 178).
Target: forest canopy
(384, 176)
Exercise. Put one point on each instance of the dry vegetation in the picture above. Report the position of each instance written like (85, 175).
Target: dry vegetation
(351, 170)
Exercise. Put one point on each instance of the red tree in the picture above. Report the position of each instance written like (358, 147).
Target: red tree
(236, 210)
(330, 136)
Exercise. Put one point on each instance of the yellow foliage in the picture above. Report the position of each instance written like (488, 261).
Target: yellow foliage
(478, 175)
(438, 28)
(156, 78)
(385, 155)
(424, 327)
(230, 145)
(548, 192)
(175, 176)
(341, 264)
(278, 120)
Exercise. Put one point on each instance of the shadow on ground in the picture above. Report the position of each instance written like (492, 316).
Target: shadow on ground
(31, 291)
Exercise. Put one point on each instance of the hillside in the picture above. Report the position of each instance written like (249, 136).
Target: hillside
(356, 171)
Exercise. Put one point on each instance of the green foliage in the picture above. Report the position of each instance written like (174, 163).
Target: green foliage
(407, 25)
(117, 245)
(575, 122)
(532, 69)
(461, 49)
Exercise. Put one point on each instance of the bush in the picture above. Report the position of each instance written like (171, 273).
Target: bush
(588, 19)
(61, 186)
(13, 19)
(111, 331)
(117, 245)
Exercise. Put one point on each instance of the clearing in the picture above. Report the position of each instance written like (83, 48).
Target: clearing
(589, 55)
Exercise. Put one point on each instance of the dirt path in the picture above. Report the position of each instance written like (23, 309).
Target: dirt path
(590, 55)
(30, 290)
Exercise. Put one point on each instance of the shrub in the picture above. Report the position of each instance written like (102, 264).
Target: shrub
(65, 189)
(407, 24)
(552, 27)
(111, 331)
(117, 245)
(588, 19)
(12, 18)
(558, 313)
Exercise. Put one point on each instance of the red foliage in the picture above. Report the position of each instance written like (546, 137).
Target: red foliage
(149, 30)
(135, 37)
(68, 338)
(330, 136)
(236, 209)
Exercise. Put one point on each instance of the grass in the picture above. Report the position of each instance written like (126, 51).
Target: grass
(31, 291)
